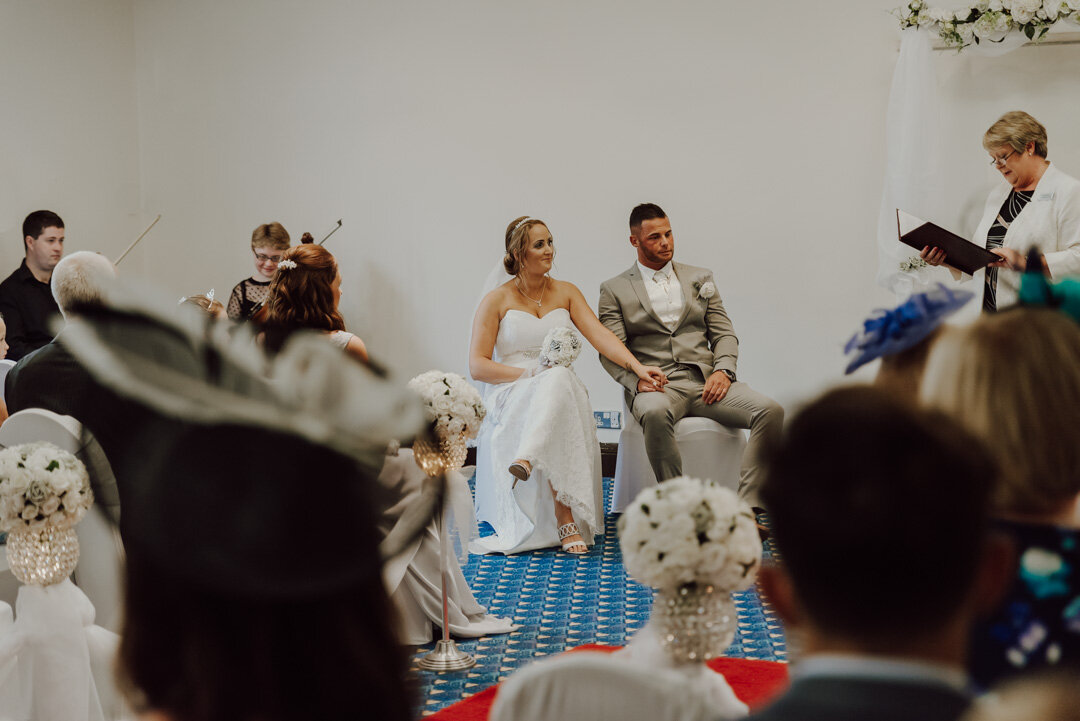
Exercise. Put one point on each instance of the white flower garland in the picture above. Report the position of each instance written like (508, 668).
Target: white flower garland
(989, 20)
(451, 402)
(42, 486)
(687, 531)
(561, 347)
(913, 264)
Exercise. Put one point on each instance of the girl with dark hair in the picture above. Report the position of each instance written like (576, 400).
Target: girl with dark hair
(304, 294)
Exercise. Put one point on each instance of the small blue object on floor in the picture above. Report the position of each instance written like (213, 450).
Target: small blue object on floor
(562, 601)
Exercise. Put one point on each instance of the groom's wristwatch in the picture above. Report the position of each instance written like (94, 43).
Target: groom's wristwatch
(729, 374)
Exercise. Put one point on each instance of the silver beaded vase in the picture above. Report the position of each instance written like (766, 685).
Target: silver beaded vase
(42, 558)
(695, 622)
(443, 454)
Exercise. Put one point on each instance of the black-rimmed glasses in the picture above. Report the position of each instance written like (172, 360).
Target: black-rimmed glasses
(998, 162)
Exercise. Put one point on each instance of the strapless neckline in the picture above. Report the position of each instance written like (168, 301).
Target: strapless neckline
(538, 317)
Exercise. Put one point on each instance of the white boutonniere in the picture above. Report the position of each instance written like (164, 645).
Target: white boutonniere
(704, 289)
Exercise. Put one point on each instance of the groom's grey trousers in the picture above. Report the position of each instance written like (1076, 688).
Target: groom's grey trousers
(742, 407)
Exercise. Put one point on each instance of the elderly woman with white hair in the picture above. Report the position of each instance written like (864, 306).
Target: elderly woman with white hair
(50, 377)
(1038, 205)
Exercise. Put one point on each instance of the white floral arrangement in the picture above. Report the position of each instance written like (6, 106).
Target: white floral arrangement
(989, 20)
(561, 347)
(688, 531)
(42, 486)
(913, 264)
(451, 402)
(704, 290)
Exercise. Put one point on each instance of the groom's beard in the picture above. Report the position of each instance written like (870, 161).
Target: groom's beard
(654, 258)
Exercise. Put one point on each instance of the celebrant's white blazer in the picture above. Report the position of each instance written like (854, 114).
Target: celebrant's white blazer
(1051, 221)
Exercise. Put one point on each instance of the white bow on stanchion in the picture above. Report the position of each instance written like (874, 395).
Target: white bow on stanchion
(456, 410)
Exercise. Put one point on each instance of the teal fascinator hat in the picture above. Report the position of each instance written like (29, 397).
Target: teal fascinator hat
(1039, 291)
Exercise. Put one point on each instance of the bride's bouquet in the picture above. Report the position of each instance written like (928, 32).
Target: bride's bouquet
(687, 531)
(561, 347)
(42, 486)
(451, 402)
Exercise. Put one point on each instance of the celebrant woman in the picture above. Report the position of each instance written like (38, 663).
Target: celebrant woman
(1038, 205)
(539, 428)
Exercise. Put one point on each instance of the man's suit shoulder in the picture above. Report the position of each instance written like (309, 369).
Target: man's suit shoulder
(692, 269)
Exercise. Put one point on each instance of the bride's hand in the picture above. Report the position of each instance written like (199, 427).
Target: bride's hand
(652, 374)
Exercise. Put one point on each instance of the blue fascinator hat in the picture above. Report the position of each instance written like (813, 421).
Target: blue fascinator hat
(887, 332)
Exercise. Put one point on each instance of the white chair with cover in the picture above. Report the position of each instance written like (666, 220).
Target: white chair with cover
(5, 366)
(709, 450)
(99, 573)
(604, 687)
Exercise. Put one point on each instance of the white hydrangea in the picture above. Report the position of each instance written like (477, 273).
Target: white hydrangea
(686, 530)
(451, 402)
(42, 486)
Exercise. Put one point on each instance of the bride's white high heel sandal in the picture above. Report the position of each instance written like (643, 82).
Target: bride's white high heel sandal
(570, 529)
(520, 470)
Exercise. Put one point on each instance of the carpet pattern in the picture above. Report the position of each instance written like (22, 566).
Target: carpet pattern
(562, 601)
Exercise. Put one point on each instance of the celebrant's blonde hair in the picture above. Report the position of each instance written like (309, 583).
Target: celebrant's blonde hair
(1016, 129)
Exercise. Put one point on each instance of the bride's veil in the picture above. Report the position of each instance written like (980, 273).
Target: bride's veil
(495, 277)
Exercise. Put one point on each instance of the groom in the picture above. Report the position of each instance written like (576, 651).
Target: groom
(669, 314)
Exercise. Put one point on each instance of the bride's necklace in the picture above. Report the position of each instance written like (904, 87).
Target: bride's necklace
(534, 300)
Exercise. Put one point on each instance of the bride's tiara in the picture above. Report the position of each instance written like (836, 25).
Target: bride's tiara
(521, 222)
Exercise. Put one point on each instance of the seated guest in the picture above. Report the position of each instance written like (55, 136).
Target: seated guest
(268, 242)
(1013, 378)
(879, 512)
(1044, 696)
(231, 612)
(206, 303)
(304, 295)
(25, 299)
(50, 377)
(902, 338)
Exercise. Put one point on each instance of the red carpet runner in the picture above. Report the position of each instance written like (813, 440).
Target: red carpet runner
(754, 682)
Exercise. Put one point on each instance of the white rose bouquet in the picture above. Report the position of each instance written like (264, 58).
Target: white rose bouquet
(561, 347)
(451, 402)
(42, 486)
(688, 531)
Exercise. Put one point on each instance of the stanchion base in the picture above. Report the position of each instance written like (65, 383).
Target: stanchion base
(446, 657)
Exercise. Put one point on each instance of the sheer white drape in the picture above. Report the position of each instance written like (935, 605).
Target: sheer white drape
(914, 163)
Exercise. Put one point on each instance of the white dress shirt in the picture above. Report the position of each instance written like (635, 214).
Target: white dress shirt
(881, 668)
(665, 292)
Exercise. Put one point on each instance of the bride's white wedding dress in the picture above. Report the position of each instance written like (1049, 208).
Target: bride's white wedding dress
(547, 420)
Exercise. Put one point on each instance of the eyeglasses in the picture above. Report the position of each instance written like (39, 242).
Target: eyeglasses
(275, 259)
(998, 162)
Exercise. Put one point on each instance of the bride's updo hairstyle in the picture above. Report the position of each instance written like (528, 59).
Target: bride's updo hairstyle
(301, 295)
(517, 237)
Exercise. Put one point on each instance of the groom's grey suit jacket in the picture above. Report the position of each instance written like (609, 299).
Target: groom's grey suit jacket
(703, 335)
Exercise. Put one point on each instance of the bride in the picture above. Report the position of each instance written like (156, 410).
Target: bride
(540, 426)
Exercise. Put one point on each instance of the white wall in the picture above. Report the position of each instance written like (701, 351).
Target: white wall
(428, 126)
(69, 140)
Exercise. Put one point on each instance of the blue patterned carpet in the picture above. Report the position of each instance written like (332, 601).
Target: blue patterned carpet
(561, 601)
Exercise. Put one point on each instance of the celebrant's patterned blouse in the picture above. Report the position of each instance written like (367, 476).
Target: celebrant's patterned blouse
(1037, 623)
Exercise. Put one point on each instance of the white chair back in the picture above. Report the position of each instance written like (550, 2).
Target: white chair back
(5, 366)
(709, 450)
(600, 687)
(101, 552)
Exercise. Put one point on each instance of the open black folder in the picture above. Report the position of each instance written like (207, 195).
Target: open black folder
(960, 252)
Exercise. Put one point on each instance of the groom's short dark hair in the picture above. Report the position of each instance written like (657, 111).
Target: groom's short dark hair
(643, 212)
(879, 511)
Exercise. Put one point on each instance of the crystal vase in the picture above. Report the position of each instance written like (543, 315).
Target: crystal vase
(443, 453)
(695, 622)
(42, 558)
